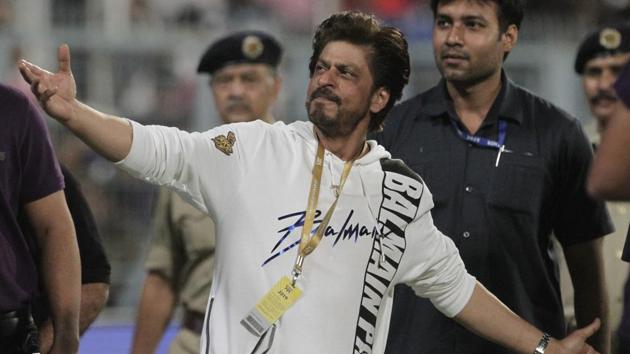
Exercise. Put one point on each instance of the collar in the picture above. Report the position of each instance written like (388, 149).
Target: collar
(437, 101)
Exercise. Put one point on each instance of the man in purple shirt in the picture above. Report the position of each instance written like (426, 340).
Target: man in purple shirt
(30, 179)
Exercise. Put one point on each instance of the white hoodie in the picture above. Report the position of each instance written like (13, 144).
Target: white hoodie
(257, 195)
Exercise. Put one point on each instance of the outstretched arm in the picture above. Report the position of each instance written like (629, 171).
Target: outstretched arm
(486, 316)
(108, 135)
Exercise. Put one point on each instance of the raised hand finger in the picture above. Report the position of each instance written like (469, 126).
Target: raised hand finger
(46, 95)
(38, 88)
(26, 72)
(34, 69)
(63, 57)
(31, 72)
(35, 87)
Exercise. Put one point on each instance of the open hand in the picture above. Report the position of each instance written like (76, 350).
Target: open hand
(56, 92)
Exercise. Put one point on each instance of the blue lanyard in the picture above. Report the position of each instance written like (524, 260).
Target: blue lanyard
(481, 141)
(499, 144)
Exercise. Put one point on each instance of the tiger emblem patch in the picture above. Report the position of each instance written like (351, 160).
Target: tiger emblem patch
(225, 144)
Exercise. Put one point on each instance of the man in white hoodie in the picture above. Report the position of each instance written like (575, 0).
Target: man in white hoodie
(274, 290)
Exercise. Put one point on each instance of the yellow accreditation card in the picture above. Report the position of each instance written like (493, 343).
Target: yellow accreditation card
(271, 307)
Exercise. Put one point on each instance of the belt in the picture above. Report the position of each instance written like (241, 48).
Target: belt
(193, 321)
(12, 322)
(21, 313)
(18, 333)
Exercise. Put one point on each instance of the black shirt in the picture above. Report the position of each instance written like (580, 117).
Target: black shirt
(95, 267)
(500, 217)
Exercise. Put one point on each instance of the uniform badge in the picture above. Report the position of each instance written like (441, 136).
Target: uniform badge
(610, 38)
(225, 144)
(252, 47)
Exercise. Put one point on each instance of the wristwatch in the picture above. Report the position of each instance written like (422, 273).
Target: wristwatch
(542, 344)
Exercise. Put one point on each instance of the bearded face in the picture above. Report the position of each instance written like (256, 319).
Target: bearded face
(340, 89)
(326, 111)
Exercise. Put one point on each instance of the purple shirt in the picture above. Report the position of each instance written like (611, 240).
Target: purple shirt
(28, 171)
(622, 85)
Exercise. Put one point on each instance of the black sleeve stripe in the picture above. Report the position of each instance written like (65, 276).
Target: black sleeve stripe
(398, 166)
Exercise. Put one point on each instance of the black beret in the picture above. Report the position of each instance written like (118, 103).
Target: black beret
(610, 40)
(241, 47)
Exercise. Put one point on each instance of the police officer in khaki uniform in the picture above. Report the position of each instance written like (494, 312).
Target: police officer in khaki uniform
(600, 58)
(245, 84)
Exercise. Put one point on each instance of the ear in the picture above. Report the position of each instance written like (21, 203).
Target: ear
(277, 85)
(510, 38)
(379, 99)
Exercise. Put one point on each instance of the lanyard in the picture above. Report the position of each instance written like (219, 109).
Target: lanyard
(308, 245)
(498, 144)
(481, 141)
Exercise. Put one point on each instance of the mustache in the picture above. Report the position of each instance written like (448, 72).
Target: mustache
(453, 53)
(237, 104)
(603, 95)
(326, 93)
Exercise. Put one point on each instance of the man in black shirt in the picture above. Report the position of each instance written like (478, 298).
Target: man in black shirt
(506, 169)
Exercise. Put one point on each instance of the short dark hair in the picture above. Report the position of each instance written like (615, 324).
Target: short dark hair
(389, 63)
(511, 12)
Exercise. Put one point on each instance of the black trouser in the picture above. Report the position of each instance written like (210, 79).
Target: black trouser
(18, 333)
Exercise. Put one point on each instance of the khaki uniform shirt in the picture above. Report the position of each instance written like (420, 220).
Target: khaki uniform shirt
(183, 250)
